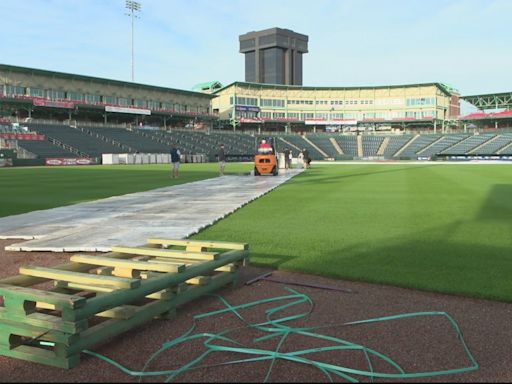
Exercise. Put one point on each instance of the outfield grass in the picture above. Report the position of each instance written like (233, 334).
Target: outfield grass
(29, 189)
(444, 228)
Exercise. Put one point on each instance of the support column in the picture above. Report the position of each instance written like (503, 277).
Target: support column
(435, 126)
(496, 125)
(105, 117)
(465, 127)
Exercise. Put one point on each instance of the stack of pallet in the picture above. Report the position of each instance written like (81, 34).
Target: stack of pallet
(97, 297)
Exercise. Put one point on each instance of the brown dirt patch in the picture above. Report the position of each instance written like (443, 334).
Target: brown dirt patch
(418, 344)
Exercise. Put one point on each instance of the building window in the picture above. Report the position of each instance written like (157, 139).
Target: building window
(110, 100)
(36, 92)
(15, 91)
(153, 104)
(75, 96)
(421, 101)
(245, 101)
(123, 101)
(273, 103)
(93, 99)
(139, 103)
(55, 95)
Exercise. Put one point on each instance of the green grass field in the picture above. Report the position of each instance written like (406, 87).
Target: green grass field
(28, 189)
(444, 228)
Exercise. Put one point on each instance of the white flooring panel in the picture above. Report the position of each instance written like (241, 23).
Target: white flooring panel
(172, 212)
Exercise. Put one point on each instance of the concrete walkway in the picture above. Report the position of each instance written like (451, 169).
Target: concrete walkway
(171, 212)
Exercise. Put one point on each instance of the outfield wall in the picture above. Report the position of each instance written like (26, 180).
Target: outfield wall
(148, 158)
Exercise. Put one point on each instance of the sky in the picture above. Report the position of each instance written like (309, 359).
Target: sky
(179, 43)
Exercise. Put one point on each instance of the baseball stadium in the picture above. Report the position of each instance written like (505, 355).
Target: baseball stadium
(376, 248)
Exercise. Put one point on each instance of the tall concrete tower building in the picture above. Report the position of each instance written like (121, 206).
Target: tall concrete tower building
(273, 56)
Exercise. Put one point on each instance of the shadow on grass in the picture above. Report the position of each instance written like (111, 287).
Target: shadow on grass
(270, 260)
(433, 263)
(498, 204)
(317, 176)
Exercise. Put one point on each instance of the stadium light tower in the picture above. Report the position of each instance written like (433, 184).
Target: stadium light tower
(133, 7)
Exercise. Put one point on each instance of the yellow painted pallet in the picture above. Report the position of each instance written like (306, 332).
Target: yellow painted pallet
(128, 286)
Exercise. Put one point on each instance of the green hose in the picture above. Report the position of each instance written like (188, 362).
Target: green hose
(275, 327)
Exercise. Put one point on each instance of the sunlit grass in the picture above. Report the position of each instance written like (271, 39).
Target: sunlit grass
(444, 228)
(438, 228)
(28, 189)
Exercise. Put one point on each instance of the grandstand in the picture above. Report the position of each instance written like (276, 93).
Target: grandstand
(494, 146)
(62, 140)
(128, 139)
(348, 144)
(297, 143)
(444, 142)
(324, 142)
(44, 149)
(371, 145)
(468, 144)
(394, 144)
(78, 141)
(418, 143)
(87, 117)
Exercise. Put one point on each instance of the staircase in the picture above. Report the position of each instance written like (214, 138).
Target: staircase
(315, 146)
(504, 148)
(105, 139)
(430, 145)
(336, 146)
(383, 146)
(413, 139)
(67, 147)
(290, 144)
(475, 150)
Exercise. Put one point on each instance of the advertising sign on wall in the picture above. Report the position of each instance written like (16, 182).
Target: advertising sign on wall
(244, 108)
(58, 161)
(136, 111)
(251, 120)
(22, 136)
(330, 122)
(54, 104)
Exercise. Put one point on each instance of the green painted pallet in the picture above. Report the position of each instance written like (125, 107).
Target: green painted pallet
(123, 289)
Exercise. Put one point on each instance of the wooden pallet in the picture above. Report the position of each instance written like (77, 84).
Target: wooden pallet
(128, 287)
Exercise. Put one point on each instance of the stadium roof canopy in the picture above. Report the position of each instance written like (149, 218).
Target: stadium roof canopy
(208, 86)
(441, 87)
(491, 100)
(102, 81)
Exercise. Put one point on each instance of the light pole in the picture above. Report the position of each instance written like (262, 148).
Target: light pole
(133, 7)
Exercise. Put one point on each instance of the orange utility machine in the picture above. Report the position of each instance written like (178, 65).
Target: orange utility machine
(265, 160)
